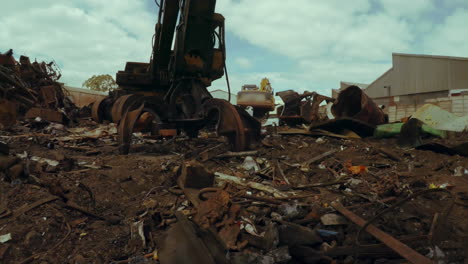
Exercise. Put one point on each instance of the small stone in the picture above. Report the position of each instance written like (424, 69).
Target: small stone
(320, 140)
(333, 219)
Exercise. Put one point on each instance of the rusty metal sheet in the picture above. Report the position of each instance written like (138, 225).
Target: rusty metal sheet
(8, 113)
(97, 110)
(48, 95)
(352, 102)
(44, 113)
(403, 250)
(213, 209)
(7, 58)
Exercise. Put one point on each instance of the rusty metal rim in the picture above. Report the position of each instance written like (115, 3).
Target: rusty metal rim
(127, 124)
(96, 114)
(121, 104)
(226, 111)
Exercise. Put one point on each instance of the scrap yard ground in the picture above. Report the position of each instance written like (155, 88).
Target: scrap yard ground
(81, 202)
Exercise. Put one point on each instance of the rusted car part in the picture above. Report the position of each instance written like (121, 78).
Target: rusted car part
(172, 87)
(402, 249)
(352, 102)
(300, 109)
(227, 120)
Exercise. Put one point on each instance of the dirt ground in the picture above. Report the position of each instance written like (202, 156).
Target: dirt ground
(96, 206)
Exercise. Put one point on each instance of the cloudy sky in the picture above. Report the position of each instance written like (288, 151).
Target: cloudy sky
(299, 44)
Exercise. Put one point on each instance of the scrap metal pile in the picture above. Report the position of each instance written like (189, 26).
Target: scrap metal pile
(30, 90)
(68, 197)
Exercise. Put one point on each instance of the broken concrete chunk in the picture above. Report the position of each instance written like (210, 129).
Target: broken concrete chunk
(333, 219)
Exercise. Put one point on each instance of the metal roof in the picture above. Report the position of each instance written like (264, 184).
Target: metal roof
(430, 56)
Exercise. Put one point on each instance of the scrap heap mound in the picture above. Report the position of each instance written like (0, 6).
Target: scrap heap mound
(343, 191)
(30, 90)
(67, 197)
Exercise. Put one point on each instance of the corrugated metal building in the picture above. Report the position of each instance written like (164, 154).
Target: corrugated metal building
(415, 80)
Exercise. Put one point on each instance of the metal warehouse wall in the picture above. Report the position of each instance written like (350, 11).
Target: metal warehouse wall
(414, 74)
(376, 89)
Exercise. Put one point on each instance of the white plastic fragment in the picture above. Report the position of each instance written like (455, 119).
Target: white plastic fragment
(52, 163)
(254, 185)
(5, 238)
(250, 164)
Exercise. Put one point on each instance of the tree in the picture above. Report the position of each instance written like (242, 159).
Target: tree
(101, 83)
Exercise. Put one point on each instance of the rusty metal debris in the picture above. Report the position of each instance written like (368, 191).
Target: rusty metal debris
(301, 108)
(31, 90)
(353, 103)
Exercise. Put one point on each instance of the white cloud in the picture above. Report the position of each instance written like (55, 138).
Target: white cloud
(325, 41)
(243, 62)
(310, 29)
(449, 38)
(83, 42)
(408, 9)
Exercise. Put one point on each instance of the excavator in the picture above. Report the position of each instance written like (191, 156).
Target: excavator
(169, 94)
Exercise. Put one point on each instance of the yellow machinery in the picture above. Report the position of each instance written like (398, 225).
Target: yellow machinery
(261, 98)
